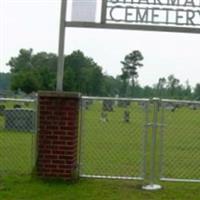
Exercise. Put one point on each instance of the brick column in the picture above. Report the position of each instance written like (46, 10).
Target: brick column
(58, 121)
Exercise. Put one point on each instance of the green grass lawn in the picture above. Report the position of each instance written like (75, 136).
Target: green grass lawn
(112, 148)
(17, 149)
(17, 152)
(13, 188)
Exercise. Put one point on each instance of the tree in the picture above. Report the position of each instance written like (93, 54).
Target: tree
(187, 91)
(197, 92)
(124, 78)
(4, 81)
(22, 61)
(160, 87)
(85, 75)
(111, 86)
(148, 92)
(130, 64)
(25, 81)
(172, 85)
(31, 72)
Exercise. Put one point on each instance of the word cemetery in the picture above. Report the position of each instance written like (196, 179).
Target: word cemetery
(164, 12)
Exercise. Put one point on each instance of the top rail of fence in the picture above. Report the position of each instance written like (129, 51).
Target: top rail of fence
(180, 101)
(115, 99)
(17, 100)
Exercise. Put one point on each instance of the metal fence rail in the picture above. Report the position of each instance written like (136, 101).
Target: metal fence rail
(112, 137)
(17, 135)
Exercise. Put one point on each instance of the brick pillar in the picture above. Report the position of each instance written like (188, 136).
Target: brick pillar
(58, 122)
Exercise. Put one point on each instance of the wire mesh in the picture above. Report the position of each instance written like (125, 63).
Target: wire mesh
(17, 136)
(135, 138)
(112, 137)
(180, 155)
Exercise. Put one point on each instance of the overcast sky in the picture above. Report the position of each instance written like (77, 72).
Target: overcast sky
(35, 24)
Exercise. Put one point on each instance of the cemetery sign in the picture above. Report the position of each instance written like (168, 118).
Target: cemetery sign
(148, 15)
(155, 15)
(167, 12)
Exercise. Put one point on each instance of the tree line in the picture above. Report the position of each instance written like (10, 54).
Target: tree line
(32, 72)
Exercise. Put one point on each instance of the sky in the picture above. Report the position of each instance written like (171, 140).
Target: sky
(35, 24)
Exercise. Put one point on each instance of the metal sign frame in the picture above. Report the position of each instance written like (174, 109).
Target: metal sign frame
(103, 25)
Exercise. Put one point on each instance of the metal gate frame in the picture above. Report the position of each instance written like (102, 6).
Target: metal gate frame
(143, 148)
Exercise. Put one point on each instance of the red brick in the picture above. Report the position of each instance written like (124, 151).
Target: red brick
(58, 171)
(63, 127)
(57, 139)
(58, 142)
(51, 137)
(58, 152)
(59, 161)
(68, 157)
(46, 151)
(46, 112)
(51, 157)
(50, 166)
(59, 132)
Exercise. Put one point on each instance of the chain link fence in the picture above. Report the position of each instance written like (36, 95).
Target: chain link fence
(112, 137)
(148, 139)
(119, 138)
(180, 154)
(17, 135)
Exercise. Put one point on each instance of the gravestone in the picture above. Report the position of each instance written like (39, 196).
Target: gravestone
(170, 107)
(2, 107)
(26, 104)
(126, 117)
(19, 119)
(17, 106)
(104, 116)
(142, 105)
(86, 104)
(108, 105)
(124, 103)
(193, 106)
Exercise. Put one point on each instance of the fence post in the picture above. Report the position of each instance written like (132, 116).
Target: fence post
(58, 123)
(152, 185)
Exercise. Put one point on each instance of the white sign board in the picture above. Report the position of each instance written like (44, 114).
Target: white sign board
(83, 10)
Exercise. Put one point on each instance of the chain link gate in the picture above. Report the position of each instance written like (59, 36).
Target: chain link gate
(112, 136)
(17, 136)
(151, 140)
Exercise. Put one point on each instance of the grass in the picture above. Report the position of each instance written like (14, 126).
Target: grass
(84, 189)
(113, 147)
(17, 149)
(110, 148)
(17, 152)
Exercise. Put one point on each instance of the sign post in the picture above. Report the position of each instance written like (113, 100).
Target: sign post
(60, 67)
